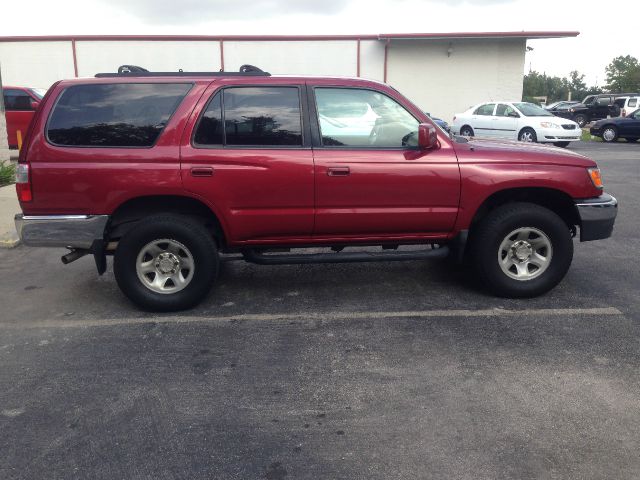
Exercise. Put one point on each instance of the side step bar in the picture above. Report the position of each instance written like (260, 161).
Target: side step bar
(255, 256)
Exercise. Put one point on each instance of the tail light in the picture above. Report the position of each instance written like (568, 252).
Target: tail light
(624, 112)
(23, 183)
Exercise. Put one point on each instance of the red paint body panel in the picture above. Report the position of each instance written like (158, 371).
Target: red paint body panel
(387, 192)
(284, 196)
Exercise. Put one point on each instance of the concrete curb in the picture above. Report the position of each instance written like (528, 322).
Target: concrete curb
(9, 206)
(9, 240)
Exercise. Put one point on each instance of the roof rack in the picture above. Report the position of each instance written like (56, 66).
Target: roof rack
(135, 71)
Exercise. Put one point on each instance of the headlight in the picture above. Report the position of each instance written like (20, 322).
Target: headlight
(549, 125)
(596, 177)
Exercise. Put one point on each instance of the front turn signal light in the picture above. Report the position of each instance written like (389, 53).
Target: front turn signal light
(596, 177)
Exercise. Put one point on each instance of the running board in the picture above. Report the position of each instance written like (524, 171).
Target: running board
(260, 258)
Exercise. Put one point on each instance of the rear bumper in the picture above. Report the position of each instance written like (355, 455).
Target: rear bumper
(74, 231)
(597, 216)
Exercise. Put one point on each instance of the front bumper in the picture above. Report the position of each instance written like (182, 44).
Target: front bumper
(597, 216)
(559, 135)
(73, 231)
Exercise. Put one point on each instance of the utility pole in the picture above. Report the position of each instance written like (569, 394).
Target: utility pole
(4, 140)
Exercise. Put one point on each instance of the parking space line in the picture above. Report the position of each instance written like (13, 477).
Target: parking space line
(315, 316)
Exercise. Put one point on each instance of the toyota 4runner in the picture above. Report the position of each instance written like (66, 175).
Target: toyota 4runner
(173, 172)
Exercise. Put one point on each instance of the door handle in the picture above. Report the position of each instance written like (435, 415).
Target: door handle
(201, 171)
(338, 171)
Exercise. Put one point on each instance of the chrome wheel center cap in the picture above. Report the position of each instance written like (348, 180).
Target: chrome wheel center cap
(167, 263)
(521, 250)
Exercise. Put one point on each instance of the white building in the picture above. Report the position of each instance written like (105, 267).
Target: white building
(443, 73)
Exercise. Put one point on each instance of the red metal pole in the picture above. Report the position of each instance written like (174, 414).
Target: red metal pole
(75, 58)
(221, 55)
(386, 56)
(358, 57)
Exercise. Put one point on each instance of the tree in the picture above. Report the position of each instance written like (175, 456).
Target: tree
(556, 88)
(623, 74)
(541, 85)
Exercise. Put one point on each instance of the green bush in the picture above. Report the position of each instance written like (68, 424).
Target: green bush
(7, 173)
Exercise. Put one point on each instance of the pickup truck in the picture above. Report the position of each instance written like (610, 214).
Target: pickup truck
(173, 172)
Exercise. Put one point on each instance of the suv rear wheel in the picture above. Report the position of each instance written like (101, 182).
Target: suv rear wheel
(521, 250)
(166, 263)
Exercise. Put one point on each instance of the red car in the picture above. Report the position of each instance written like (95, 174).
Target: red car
(167, 171)
(20, 103)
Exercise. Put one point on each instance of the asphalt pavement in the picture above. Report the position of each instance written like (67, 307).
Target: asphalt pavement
(356, 371)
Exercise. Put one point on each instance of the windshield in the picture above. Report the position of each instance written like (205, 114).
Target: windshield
(531, 110)
(38, 92)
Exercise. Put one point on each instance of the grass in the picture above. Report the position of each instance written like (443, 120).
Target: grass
(7, 173)
(586, 136)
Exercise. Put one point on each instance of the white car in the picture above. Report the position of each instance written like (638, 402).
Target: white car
(516, 121)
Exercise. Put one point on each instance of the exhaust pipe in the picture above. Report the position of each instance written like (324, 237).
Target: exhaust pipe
(73, 255)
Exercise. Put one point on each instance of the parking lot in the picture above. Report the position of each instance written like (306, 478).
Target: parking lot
(375, 371)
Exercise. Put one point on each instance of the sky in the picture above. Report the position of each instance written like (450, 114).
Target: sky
(601, 37)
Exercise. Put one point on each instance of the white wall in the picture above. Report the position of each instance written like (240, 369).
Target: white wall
(372, 59)
(338, 57)
(476, 71)
(161, 56)
(35, 64)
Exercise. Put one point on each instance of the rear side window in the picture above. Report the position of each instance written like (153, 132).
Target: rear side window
(210, 130)
(253, 116)
(114, 115)
(633, 102)
(486, 109)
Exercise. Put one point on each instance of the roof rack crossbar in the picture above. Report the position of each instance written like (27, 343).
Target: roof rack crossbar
(135, 71)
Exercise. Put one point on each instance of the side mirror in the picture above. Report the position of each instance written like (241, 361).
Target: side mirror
(34, 105)
(427, 136)
(514, 114)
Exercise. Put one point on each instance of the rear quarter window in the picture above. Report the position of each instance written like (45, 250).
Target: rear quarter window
(114, 115)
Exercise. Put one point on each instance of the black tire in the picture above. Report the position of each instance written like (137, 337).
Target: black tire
(190, 233)
(528, 133)
(496, 227)
(581, 120)
(466, 131)
(562, 144)
(609, 134)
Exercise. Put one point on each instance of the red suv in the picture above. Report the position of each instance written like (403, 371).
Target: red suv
(167, 171)
(20, 103)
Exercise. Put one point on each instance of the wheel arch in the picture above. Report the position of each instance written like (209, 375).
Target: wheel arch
(527, 127)
(555, 200)
(466, 125)
(128, 213)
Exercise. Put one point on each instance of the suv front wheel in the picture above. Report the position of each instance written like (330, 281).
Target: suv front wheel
(166, 263)
(521, 250)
